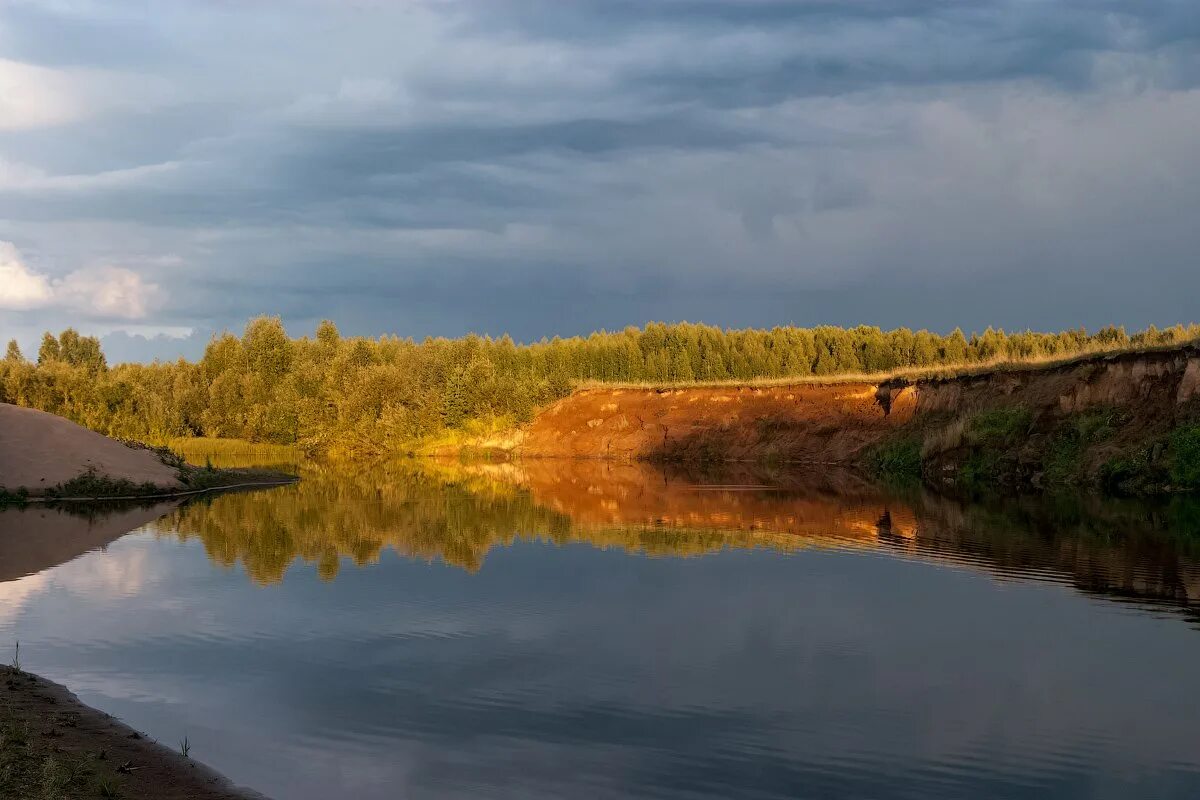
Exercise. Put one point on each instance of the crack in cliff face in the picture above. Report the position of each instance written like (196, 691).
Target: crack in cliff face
(883, 396)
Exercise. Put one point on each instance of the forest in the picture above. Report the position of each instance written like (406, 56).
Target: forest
(355, 395)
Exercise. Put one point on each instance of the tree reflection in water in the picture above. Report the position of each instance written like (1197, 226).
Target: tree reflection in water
(457, 513)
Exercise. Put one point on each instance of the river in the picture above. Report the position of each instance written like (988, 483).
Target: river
(585, 629)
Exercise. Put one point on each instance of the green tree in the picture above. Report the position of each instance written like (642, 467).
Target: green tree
(50, 351)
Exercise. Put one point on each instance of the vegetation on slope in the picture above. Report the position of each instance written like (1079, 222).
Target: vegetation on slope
(1008, 448)
(94, 485)
(357, 395)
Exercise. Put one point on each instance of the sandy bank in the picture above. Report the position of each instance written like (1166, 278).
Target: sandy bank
(39, 451)
(50, 736)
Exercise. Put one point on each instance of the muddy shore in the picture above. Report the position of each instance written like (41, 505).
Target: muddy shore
(53, 745)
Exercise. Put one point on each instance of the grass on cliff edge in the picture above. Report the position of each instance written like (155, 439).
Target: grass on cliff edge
(903, 374)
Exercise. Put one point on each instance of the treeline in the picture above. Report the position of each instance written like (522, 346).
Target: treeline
(329, 392)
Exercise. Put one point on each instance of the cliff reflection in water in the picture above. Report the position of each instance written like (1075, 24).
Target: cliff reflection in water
(457, 513)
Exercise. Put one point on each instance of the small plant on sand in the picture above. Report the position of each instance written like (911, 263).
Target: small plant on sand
(56, 777)
(92, 484)
(185, 747)
(16, 662)
(108, 788)
(13, 734)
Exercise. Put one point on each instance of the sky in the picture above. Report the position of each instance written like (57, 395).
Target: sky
(549, 167)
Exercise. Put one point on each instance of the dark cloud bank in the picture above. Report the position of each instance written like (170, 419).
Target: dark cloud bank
(546, 168)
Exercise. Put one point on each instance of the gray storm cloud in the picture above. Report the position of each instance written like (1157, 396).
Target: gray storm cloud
(542, 168)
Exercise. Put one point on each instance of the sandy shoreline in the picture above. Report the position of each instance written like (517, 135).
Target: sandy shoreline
(52, 744)
(39, 451)
(92, 752)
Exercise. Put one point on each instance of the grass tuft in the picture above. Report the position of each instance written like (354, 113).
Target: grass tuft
(108, 788)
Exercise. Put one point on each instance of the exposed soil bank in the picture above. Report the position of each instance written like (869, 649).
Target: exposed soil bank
(1106, 419)
(52, 745)
(809, 422)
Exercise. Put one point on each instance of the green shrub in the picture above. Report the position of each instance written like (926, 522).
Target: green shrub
(1000, 425)
(899, 460)
(92, 484)
(1064, 454)
(1098, 424)
(17, 498)
(1117, 473)
(1185, 457)
(981, 469)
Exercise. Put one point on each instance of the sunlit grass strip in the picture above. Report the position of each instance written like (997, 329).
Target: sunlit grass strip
(483, 434)
(203, 446)
(932, 372)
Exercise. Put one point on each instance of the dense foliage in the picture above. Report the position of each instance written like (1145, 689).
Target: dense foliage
(371, 395)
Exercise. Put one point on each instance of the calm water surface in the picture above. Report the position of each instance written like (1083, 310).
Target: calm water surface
(583, 630)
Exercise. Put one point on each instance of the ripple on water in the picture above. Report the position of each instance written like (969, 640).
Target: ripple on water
(382, 638)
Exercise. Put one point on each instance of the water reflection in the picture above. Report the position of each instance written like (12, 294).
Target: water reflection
(458, 513)
(35, 538)
(788, 636)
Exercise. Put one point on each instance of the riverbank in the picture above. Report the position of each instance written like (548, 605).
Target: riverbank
(52, 745)
(1126, 422)
(46, 458)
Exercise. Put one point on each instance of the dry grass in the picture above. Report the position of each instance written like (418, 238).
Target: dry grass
(945, 439)
(192, 447)
(904, 374)
(498, 433)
